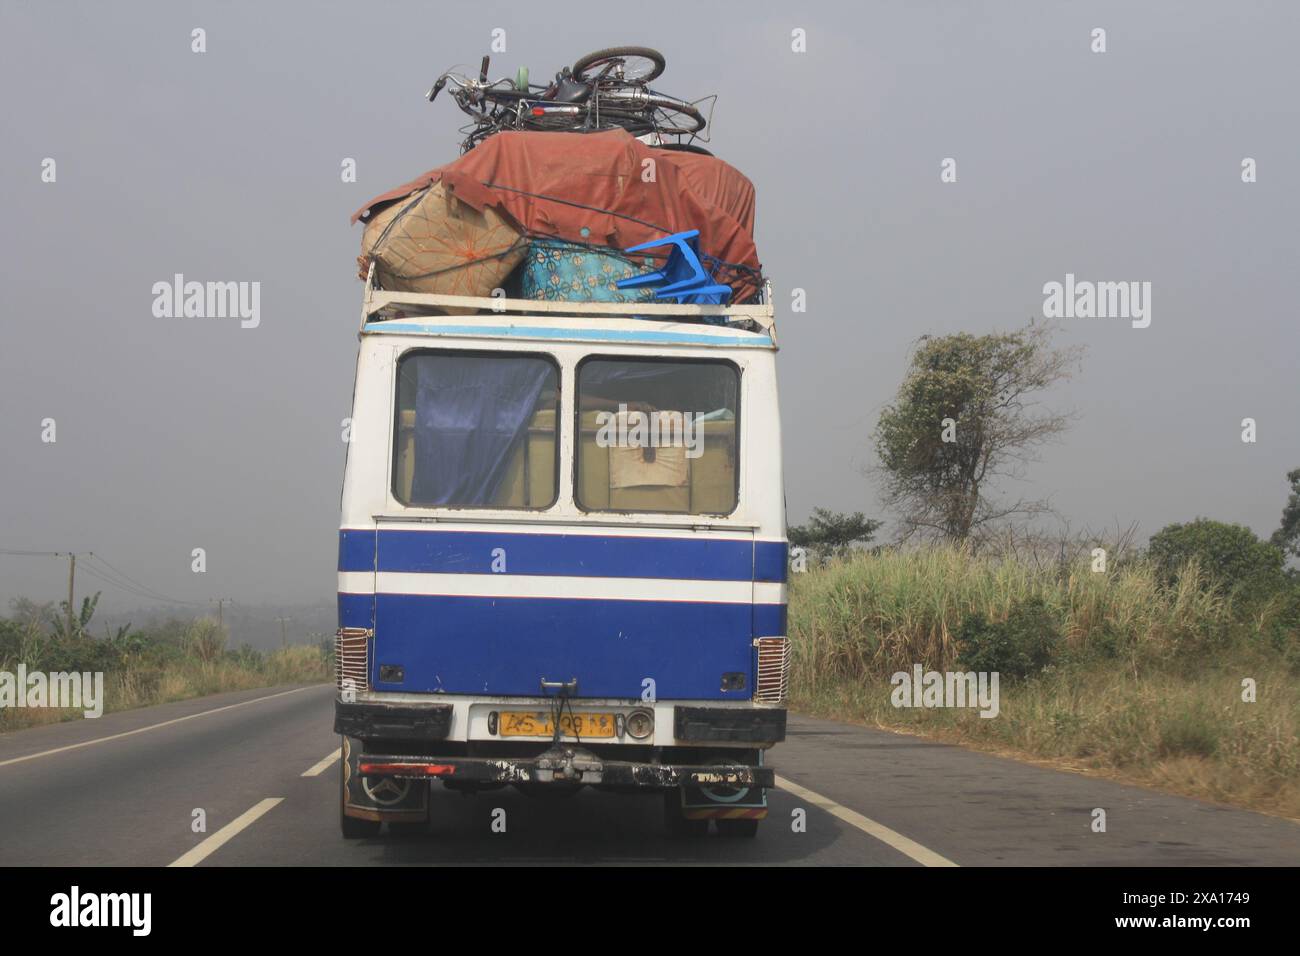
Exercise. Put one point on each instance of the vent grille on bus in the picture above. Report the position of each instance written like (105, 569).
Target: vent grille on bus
(773, 670)
(352, 657)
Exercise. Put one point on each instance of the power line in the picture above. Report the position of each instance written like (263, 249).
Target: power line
(120, 573)
(108, 573)
(112, 573)
(100, 575)
(72, 575)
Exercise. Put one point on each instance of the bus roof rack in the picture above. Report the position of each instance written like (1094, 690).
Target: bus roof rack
(379, 305)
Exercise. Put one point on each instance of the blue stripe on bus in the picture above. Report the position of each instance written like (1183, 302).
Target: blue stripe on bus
(478, 645)
(563, 555)
(356, 550)
(771, 560)
(648, 336)
(356, 610)
(769, 620)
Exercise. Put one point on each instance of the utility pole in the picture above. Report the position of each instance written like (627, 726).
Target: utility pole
(72, 581)
(284, 640)
(220, 602)
(72, 576)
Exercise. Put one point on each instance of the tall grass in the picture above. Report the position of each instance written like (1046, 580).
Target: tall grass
(139, 681)
(190, 677)
(876, 614)
(1145, 684)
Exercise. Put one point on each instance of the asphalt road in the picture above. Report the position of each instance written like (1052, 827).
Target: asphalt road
(122, 790)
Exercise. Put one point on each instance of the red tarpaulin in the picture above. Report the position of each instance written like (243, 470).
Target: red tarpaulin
(558, 184)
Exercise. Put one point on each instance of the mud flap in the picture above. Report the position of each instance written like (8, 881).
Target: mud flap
(725, 801)
(382, 799)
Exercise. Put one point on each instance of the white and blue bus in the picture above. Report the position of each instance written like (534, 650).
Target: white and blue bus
(562, 556)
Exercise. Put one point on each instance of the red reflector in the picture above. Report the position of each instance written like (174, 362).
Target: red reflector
(427, 769)
(539, 111)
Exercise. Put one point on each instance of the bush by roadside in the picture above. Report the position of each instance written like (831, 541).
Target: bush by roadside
(173, 661)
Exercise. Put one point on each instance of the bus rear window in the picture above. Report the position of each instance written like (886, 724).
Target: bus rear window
(657, 436)
(476, 430)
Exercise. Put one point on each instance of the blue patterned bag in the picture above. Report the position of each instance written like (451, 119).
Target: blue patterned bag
(568, 272)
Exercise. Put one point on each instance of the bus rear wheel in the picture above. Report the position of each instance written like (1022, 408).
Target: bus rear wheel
(676, 821)
(737, 828)
(354, 829)
(407, 828)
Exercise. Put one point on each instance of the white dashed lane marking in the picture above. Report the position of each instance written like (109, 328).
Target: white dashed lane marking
(904, 845)
(227, 833)
(317, 769)
(140, 730)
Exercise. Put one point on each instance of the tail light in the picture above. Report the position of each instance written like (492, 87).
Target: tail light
(352, 657)
(405, 768)
(773, 684)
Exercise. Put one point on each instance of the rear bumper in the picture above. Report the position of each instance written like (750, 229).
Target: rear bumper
(760, 725)
(566, 765)
(366, 720)
(679, 724)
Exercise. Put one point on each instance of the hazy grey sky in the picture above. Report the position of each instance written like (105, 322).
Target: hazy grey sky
(183, 433)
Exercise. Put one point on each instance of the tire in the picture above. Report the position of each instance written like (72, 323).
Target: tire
(684, 148)
(676, 823)
(600, 56)
(737, 828)
(634, 123)
(408, 828)
(354, 829)
(690, 120)
(665, 114)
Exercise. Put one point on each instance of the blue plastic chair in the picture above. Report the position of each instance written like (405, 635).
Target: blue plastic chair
(683, 277)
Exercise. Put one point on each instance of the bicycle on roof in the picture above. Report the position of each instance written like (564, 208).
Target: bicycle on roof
(607, 89)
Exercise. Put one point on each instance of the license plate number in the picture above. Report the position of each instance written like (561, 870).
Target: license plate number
(516, 723)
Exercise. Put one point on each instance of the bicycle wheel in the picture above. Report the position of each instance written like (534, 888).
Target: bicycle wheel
(638, 124)
(635, 124)
(632, 64)
(673, 116)
(684, 148)
(665, 114)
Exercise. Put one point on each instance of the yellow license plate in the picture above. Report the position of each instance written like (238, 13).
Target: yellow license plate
(516, 723)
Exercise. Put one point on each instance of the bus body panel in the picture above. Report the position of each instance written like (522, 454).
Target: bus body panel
(657, 610)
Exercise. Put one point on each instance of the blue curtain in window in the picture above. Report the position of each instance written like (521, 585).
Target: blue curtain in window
(471, 412)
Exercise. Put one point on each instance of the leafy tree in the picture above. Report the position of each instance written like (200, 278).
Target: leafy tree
(1230, 554)
(11, 642)
(832, 534)
(1021, 645)
(27, 612)
(205, 639)
(1287, 536)
(82, 619)
(962, 418)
